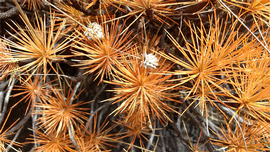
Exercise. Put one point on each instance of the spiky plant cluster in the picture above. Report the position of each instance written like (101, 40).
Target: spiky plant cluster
(134, 75)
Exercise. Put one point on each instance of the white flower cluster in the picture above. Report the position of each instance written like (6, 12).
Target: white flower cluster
(150, 60)
(94, 30)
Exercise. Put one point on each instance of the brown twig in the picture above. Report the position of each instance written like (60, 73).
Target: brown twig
(179, 134)
(6, 101)
(20, 123)
(13, 11)
(14, 139)
(204, 131)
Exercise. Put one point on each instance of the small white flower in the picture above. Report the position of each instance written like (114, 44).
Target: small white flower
(150, 60)
(94, 30)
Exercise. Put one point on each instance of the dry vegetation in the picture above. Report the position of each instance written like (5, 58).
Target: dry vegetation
(134, 75)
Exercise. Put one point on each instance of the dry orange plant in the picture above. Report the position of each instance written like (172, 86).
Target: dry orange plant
(134, 75)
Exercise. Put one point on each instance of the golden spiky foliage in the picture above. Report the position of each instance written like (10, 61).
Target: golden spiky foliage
(205, 56)
(260, 12)
(33, 90)
(32, 4)
(7, 62)
(205, 97)
(103, 52)
(249, 83)
(259, 9)
(162, 64)
(37, 46)
(197, 147)
(136, 130)
(4, 136)
(74, 16)
(59, 113)
(147, 43)
(142, 89)
(95, 139)
(154, 10)
(53, 142)
(247, 136)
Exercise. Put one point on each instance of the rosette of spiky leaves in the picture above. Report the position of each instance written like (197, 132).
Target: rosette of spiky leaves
(251, 92)
(51, 142)
(136, 130)
(59, 113)
(102, 54)
(259, 9)
(152, 9)
(33, 90)
(204, 98)
(260, 12)
(75, 14)
(7, 62)
(206, 55)
(142, 90)
(94, 138)
(247, 136)
(38, 46)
